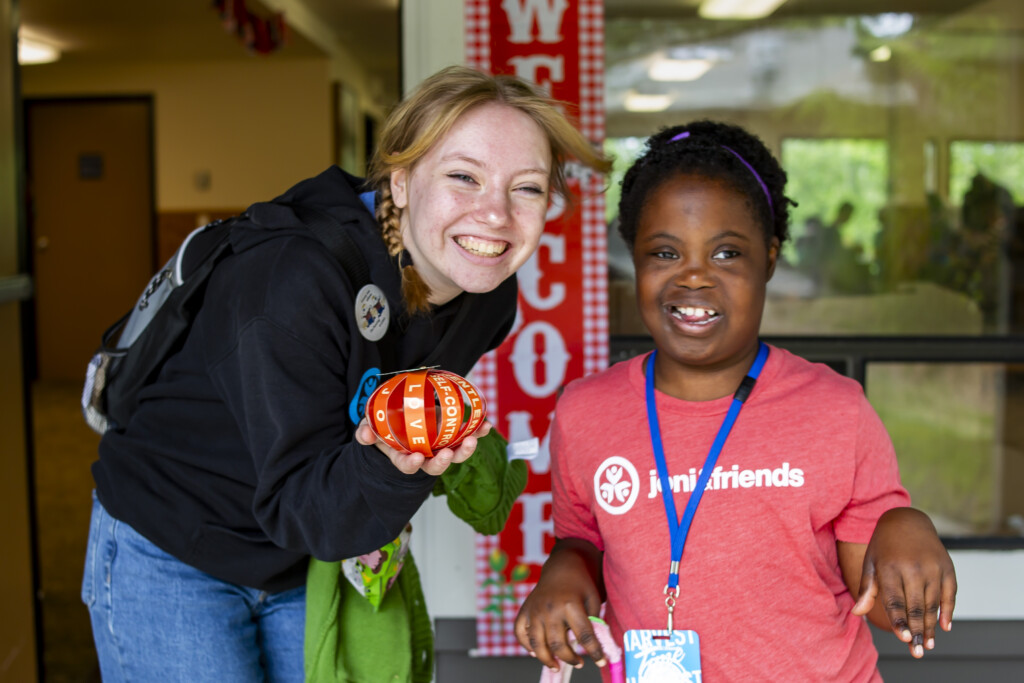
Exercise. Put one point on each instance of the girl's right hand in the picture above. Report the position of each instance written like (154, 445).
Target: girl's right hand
(410, 463)
(557, 612)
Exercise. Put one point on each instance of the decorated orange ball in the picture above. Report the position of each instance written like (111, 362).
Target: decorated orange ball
(423, 411)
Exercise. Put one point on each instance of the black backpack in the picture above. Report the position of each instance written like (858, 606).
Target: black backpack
(134, 348)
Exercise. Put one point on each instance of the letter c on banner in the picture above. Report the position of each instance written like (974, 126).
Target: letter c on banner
(524, 359)
(530, 274)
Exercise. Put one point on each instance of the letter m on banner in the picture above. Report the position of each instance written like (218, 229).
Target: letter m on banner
(562, 330)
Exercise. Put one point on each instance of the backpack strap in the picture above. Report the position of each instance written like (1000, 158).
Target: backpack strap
(338, 241)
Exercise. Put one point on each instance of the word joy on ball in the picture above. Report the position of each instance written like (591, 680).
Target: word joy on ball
(425, 410)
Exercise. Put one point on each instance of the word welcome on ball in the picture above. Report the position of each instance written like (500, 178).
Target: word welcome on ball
(425, 410)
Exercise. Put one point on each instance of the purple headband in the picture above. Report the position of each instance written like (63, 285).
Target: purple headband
(767, 194)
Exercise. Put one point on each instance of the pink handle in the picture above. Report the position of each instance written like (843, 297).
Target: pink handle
(612, 652)
(560, 676)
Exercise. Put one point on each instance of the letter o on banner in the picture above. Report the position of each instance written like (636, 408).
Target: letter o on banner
(524, 359)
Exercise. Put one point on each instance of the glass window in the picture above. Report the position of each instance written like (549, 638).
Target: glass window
(959, 447)
(835, 232)
(901, 128)
(1001, 163)
(884, 120)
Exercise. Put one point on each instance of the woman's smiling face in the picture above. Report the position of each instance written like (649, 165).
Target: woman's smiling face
(474, 206)
(702, 267)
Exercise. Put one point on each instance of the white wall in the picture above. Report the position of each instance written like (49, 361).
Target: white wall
(433, 37)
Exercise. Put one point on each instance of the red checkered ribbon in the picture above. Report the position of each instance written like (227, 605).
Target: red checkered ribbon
(559, 45)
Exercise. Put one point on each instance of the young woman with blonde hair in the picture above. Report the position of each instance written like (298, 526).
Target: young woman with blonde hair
(245, 457)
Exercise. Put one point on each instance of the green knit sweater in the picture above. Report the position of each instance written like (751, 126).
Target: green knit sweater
(347, 641)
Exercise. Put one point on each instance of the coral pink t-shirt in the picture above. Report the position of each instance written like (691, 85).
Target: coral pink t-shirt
(808, 463)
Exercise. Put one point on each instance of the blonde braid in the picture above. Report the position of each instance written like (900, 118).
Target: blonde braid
(415, 291)
(388, 216)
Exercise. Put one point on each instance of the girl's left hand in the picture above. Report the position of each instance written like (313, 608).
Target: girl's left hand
(907, 582)
(410, 463)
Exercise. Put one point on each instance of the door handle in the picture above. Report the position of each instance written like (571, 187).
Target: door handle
(15, 288)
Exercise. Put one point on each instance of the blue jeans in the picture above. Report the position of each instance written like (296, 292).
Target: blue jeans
(155, 618)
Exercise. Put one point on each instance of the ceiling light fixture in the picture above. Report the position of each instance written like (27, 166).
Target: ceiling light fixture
(34, 51)
(678, 69)
(737, 9)
(889, 24)
(646, 103)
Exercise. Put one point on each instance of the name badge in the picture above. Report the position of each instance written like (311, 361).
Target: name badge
(661, 656)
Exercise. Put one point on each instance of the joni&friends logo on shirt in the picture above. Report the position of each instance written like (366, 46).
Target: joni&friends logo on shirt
(617, 483)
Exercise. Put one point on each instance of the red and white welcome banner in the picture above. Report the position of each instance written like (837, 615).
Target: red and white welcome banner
(562, 329)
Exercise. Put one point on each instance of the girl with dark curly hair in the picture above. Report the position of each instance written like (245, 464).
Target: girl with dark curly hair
(793, 519)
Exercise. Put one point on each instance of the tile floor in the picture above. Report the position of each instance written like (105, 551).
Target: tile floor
(64, 448)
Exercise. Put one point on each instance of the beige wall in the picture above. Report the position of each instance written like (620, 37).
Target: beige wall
(255, 126)
(17, 628)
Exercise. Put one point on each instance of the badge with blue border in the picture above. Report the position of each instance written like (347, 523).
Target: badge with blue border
(653, 656)
(367, 385)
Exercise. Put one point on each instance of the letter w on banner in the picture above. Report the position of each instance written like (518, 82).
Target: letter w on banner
(562, 329)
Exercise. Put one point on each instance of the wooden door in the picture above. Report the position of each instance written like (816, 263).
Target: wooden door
(91, 221)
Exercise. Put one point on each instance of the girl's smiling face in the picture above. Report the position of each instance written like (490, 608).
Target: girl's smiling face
(702, 267)
(474, 206)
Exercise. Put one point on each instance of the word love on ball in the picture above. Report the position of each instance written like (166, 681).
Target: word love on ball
(423, 411)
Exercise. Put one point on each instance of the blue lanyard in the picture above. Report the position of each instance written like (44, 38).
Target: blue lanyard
(682, 529)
